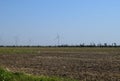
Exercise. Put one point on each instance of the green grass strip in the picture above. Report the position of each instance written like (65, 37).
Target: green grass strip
(10, 76)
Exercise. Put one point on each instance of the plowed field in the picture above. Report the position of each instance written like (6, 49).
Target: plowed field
(102, 64)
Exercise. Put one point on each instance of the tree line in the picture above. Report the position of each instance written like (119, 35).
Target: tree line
(67, 45)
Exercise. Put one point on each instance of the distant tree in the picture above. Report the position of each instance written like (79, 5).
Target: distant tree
(114, 44)
(82, 45)
(92, 45)
(105, 44)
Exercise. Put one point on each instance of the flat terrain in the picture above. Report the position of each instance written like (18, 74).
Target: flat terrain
(88, 64)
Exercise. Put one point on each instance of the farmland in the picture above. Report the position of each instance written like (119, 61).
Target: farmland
(84, 64)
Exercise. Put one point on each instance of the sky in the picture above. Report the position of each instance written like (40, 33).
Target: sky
(39, 22)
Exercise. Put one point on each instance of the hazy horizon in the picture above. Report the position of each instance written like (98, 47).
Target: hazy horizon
(38, 22)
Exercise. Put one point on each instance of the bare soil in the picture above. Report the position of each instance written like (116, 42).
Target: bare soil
(89, 66)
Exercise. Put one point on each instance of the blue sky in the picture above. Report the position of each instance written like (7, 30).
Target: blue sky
(37, 22)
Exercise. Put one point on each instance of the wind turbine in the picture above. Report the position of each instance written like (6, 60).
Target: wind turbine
(58, 39)
(16, 38)
(0, 41)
